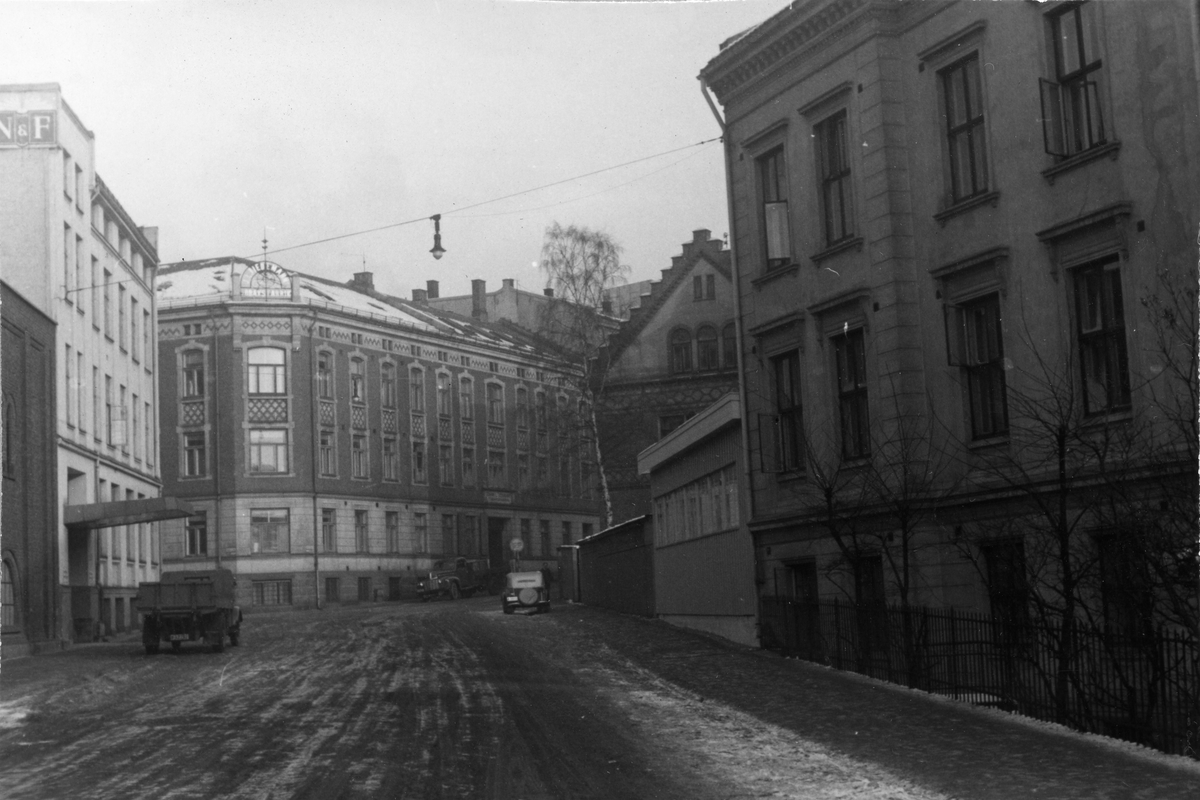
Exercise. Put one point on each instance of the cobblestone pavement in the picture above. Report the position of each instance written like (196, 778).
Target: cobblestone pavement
(934, 743)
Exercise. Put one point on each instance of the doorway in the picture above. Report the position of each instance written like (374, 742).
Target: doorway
(497, 555)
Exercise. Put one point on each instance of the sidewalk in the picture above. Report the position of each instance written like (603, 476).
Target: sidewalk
(953, 747)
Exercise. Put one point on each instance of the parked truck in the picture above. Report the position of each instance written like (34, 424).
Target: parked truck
(461, 577)
(190, 607)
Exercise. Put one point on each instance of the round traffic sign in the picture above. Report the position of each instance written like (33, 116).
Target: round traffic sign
(516, 545)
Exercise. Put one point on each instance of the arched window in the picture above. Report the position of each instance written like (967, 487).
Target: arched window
(416, 388)
(681, 351)
(466, 398)
(325, 375)
(8, 597)
(706, 347)
(728, 347)
(266, 373)
(388, 384)
(443, 394)
(358, 381)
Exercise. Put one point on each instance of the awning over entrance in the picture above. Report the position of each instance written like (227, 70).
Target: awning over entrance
(126, 512)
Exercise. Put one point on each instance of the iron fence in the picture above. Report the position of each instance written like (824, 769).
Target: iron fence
(1142, 688)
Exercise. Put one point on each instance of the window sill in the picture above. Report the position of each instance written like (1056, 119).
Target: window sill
(988, 443)
(1101, 419)
(792, 476)
(1079, 159)
(854, 243)
(963, 206)
(777, 272)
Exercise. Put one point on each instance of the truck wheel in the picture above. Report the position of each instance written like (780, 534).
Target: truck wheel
(508, 609)
(234, 637)
(219, 643)
(454, 592)
(176, 645)
(151, 649)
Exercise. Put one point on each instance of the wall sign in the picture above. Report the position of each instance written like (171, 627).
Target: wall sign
(267, 279)
(37, 128)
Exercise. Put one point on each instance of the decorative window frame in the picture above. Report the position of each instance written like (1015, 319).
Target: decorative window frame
(758, 146)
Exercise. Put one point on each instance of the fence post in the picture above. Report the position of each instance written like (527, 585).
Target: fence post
(953, 655)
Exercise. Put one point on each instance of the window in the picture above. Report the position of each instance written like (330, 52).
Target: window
(196, 534)
(871, 599)
(466, 400)
(268, 451)
(272, 593)
(421, 533)
(107, 286)
(418, 462)
(704, 287)
(96, 418)
(358, 381)
(328, 454)
(772, 178)
(332, 591)
(8, 597)
(151, 445)
(325, 376)
(785, 370)
(833, 167)
(67, 175)
(523, 470)
(121, 340)
(1008, 590)
(80, 401)
(729, 347)
(468, 540)
(78, 180)
(443, 395)
(468, 466)
(329, 530)
(446, 464)
(495, 465)
(587, 529)
(566, 532)
(266, 373)
(977, 345)
(963, 104)
(416, 387)
(1072, 118)
(109, 433)
(1100, 321)
(362, 543)
(1125, 585)
(149, 354)
(391, 460)
(522, 407)
(681, 351)
(193, 374)
(269, 530)
(448, 533)
(194, 457)
(67, 271)
(133, 328)
(94, 290)
(851, 360)
(72, 385)
(495, 403)
(391, 521)
(359, 457)
(388, 385)
(539, 409)
(706, 348)
(669, 422)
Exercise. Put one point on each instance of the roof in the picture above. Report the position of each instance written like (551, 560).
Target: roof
(209, 282)
(612, 529)
(715, 418)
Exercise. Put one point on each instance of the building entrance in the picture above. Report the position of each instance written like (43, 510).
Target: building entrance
(497, 549)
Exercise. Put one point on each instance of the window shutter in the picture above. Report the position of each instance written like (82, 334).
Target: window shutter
(768, 444)
(1052, 117)
(1095, 118)
(956, 335)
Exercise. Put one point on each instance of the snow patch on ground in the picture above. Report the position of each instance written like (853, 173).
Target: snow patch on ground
(12, 714)
(1119, 745)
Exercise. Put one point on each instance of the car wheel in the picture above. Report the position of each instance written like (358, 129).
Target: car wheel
(507, 609)
(234, 638)
(454, 592)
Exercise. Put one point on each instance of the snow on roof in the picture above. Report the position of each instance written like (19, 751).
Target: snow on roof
(198, 282)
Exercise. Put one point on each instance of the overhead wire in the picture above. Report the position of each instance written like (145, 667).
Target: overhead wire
(453, 210)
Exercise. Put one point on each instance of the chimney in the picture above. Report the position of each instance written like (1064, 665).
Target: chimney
(548, 291)
(479, 300)
(420, 295)
(364, 280)
(508, 283)
(431, 289)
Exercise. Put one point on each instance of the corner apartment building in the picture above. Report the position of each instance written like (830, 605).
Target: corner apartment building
(334, 441)
(73, 252)
(961, 229)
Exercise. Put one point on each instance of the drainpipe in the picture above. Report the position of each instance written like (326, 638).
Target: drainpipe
(739, 334)
(216, 439)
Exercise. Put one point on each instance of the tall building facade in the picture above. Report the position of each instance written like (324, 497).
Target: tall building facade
(71, 250)
(964, 239)
(334, 442)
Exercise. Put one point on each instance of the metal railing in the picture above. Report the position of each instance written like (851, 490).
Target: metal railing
(1141, 688)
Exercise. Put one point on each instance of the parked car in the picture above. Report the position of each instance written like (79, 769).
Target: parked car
(525, 590)
(190, 607)
(463, 579)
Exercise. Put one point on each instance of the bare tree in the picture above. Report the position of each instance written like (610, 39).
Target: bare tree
(580, 264)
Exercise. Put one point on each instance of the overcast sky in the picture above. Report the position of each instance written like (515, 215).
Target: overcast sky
(313, 119)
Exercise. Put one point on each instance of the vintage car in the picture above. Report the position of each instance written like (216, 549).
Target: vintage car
(461, 577)
(525, 590)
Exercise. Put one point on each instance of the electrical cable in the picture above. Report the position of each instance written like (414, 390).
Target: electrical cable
(487, 202)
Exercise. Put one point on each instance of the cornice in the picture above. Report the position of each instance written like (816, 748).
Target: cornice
(774, 41)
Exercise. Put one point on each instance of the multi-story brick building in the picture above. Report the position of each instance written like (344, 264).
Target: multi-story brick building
(72, 252)
(334, 441)
(960, 230)
(674, 356)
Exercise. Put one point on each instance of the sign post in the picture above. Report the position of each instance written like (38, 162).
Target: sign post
(516, 545)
